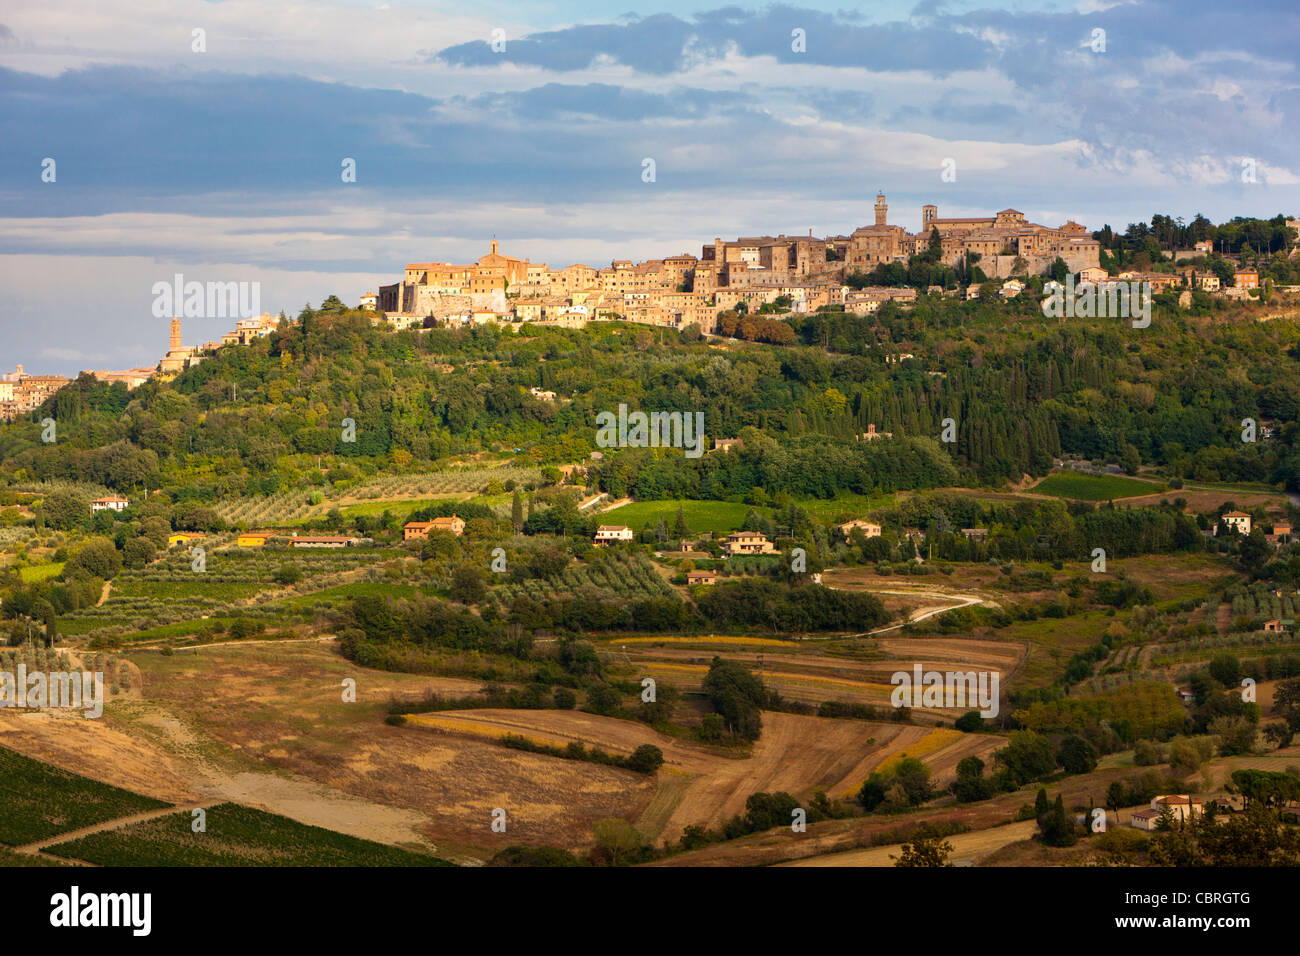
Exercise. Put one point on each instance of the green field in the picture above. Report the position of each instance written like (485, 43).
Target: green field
(40, 801)
(40, 572)
(701, 516)
(1073, 484)
(234, 836)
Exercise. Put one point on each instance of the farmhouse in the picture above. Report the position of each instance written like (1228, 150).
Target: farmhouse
(1180, 804)
(112, 503)
(324, 541)
(414, 530)
(183, 537)
(726, 444)
(1238, 521)
(871, 434)
(869, 528)
(612, 534)
(701, 577)
(1275, 626)
(253, 539)
(748, 542)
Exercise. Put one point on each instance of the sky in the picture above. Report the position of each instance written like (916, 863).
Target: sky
(219, 155)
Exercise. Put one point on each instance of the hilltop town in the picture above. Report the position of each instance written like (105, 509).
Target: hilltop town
(803, 273)
(1001, 254)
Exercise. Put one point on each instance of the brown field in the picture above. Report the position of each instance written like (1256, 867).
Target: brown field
(967, 848)
(809, 672)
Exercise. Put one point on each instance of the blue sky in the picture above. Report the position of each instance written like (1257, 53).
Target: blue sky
(224, 165)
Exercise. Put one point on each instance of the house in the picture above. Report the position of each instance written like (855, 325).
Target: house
(184, 537)
(323, 541)
(541, 395)
(701, 577)
(1238, 521)
(414, 530)
(975, 533)
(748, 542)
(253, 539)
(612, 534)
(1281, 530)
(869, 528)
(455, 524)
(1012, 288)
(1186, 695)
(419, 530)
(1245, 279)
(972, 292)
(1180, 804)
(111, 503)
(726, 444)
(1092, 274)
(1275, 626)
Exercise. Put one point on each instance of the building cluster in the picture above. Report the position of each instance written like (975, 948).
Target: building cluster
(21, 393)
(676, 291)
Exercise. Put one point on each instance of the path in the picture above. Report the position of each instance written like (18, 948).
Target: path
(117, 823)
(967, 848)
(103, 594)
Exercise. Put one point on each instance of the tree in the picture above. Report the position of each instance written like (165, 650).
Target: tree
(1286, 702)
(1055, 826)
(680, 529)
(288, 573)
(564, 698)
(467, 585)
(1076, 755)
(517, 512)
(604, 700)
(1236, 734)
(98, 559)
(647, 758)
(1225, 669)
(137, 552)
(924, 851)
(65, 511)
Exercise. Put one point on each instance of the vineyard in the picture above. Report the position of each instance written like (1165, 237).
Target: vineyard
(1259, 602)
(288, 507)
(615, 575)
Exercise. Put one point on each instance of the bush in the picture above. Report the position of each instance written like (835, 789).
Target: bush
(564, 698)
(646, 759)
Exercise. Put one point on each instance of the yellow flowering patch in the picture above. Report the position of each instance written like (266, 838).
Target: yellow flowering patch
(476, 729)
(935, 740)
(709, 639)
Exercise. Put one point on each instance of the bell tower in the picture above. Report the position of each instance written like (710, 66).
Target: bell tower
(175, 343)
(882, 210)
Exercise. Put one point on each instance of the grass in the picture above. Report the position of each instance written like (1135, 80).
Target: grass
(35, 573)
(41, 801)
(1083, 487)
(701, 516)
(234, 836)
(341, 592)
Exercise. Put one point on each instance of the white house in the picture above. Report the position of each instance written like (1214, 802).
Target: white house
(1238, 521)
(1181, 805)
(111, 503)
(613, 534)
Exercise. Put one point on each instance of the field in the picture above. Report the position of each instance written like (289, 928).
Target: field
(40, 801)
(1084, 487)
(715, 517)
(233, 836)
(796, 754)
